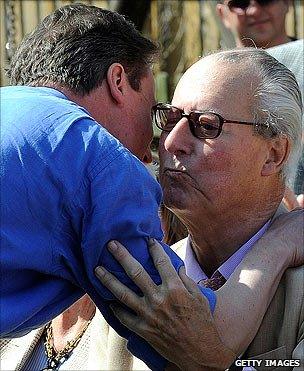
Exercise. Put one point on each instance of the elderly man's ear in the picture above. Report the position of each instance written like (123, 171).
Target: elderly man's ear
(278, 152)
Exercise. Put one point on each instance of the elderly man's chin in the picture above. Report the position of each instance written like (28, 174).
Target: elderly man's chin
(178, 195)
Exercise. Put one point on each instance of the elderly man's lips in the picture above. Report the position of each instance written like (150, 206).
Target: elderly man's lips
(172, 173)
(182, 177)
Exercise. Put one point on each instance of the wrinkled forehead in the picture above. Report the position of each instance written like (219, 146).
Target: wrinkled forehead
(212, 80)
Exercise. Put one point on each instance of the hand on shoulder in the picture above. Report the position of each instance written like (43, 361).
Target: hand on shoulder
(287, 231)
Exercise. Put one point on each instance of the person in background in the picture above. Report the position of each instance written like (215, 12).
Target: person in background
(255, 22)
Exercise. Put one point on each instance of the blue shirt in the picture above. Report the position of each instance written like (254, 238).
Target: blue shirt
(67, 188)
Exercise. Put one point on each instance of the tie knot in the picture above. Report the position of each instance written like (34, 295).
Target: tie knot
(213, 283)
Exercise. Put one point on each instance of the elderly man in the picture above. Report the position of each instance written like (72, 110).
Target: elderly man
(261, 22)
(69, 186)
(230, 143)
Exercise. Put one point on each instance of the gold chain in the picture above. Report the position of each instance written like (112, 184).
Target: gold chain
(54, 358)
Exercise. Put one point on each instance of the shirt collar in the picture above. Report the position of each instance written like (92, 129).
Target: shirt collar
(194, 270)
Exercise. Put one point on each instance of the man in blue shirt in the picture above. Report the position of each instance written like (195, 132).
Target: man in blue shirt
(68, 185)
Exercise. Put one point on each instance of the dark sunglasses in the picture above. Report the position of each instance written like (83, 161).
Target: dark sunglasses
(243, 4)
(203, 125)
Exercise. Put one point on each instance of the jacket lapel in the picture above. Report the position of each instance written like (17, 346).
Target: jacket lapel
(15, 352)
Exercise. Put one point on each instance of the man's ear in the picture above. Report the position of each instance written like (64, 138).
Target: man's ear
(221, 12)
(278, 153)
(117, 80)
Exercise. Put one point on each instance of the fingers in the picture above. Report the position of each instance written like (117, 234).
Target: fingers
(119, 290)
(190, 285)
(127, 319)
(132, 267)
(162, 262)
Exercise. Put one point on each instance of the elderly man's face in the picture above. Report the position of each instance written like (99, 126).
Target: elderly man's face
(214, 174)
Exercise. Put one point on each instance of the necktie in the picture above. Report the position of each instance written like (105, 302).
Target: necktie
(213, 283)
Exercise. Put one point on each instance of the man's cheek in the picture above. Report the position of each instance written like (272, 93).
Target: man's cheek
(217, 161)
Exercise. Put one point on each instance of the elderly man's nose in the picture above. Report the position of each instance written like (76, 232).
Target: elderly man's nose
(180, 139)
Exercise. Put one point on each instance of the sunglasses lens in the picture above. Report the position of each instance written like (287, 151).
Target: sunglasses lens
(238, 4)
(264, 2)
(235, 5)
(206, 125)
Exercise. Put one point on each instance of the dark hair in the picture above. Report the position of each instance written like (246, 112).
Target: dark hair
(74, 47)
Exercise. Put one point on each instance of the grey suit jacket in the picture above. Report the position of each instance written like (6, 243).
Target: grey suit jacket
(281, 334)
(100, 348)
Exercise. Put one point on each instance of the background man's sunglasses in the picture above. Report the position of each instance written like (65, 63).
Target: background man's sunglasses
(243, 4)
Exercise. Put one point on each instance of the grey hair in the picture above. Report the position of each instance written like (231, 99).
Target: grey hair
(277, 101)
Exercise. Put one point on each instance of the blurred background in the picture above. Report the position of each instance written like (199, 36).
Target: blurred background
(186, 30)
